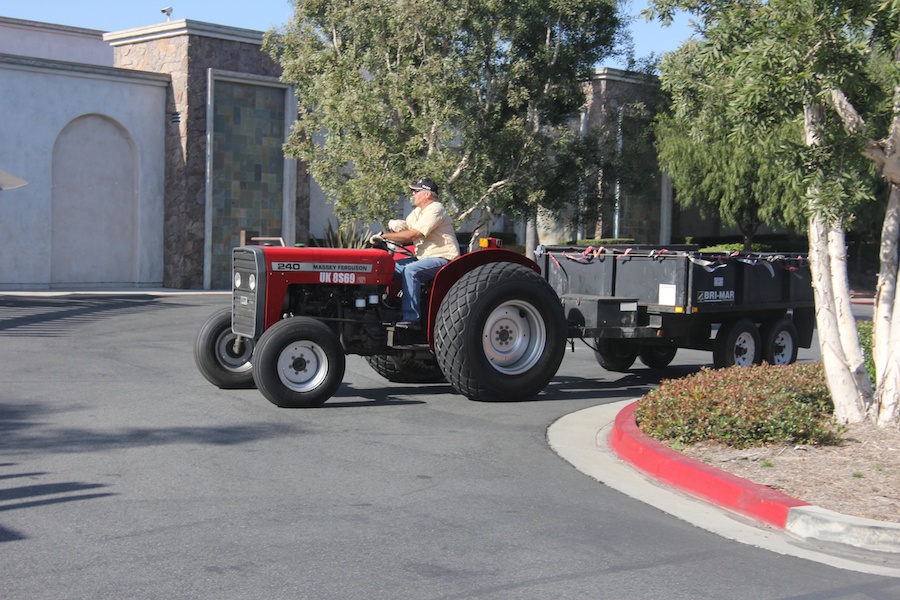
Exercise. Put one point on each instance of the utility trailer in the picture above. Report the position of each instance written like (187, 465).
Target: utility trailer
(648, 302)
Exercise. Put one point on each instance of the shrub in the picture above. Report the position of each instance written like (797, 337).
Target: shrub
(742, 407)
(865, 341)
(345, 235)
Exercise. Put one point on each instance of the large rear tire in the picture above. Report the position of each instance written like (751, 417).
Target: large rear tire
(402, 369)
(298, 363)
(500, 333)
(215, 356)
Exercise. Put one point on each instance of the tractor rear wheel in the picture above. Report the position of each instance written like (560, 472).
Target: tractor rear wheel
(500, 333)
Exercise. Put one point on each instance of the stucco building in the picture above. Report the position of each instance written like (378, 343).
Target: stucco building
(150, 151)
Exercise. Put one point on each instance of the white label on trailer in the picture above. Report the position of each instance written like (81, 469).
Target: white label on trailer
(667, 294)
(718, 281)
(316, 267)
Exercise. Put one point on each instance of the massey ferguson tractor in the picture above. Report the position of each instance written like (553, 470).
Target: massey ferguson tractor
(496, 324)
(493, 327)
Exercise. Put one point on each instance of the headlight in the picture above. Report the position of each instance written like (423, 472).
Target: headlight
(251, 281)
(237, 280)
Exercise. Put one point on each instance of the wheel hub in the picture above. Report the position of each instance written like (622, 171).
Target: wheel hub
(237, 362)
(514, 337)
(744, 350)
(302, 366)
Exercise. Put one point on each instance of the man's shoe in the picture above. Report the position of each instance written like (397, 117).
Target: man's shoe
(408, 325)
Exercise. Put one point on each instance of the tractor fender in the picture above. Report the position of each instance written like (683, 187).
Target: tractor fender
(456, 268)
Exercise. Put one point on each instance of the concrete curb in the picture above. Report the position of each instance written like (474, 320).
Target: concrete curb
(744, 497)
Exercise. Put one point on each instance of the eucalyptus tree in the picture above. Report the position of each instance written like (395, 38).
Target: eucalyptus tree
(720, 174)
(479, 94)
(820, 65)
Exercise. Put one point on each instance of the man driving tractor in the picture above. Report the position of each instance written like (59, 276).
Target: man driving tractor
(430, 229)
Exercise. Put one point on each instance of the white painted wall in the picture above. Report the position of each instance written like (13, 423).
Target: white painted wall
(57, 42)
(45, 106)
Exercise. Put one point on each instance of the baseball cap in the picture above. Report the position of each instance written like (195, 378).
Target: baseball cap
(425, 183)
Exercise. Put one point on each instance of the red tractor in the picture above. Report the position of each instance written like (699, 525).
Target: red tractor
(494, 328)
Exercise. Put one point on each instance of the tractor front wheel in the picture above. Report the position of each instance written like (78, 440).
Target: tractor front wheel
(298, 363)
(218, 359)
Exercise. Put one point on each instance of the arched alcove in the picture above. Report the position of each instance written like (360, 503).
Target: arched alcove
(94, 204)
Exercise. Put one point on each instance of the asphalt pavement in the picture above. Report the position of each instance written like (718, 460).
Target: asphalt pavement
(165, 503)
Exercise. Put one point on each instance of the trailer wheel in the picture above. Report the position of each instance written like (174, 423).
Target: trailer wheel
(615, 354)
(500, 333)
(401, 369)
(737, 344)
(215, 356)
(780, 342)
(658, 357)
(298, 363)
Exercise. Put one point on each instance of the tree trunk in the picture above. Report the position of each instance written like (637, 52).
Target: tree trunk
(531, 236)
(886, 320)
(849, 400)
(838, 341)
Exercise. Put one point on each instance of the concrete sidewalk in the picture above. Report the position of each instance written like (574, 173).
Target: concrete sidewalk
(604, 442)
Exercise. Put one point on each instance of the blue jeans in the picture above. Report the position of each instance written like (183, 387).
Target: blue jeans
(413, 273)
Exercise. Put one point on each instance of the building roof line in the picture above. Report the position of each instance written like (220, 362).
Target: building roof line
(180, 28)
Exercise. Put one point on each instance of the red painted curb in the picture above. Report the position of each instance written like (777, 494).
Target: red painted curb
(696, 478)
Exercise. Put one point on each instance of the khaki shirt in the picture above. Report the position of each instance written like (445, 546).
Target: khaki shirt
(435, 224)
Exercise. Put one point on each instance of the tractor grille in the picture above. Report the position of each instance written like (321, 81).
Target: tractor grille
(246, 313)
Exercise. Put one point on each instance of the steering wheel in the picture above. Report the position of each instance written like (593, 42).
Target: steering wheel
(391, 247)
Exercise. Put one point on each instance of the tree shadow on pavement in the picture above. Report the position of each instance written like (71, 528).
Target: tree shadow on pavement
(25, 428)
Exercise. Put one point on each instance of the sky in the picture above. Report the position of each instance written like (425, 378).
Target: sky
(116, 15)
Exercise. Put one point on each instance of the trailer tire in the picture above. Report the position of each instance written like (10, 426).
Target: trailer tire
(615, 354)
(780, 342)
(401, 369)
(658, 357)
(500, 333)
(737, 344)
(215, 357)
(298, 363)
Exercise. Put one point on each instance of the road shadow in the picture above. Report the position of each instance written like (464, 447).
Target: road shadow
(24, 428)
(26, 316)
(613, 386)
(35, 495)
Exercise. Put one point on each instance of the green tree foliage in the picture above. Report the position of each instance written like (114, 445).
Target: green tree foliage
(478, 94)
(826, 67)
(714, 164)
(741, 87)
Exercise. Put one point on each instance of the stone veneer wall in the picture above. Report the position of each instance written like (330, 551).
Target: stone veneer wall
(639, 216)
(186, 55)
